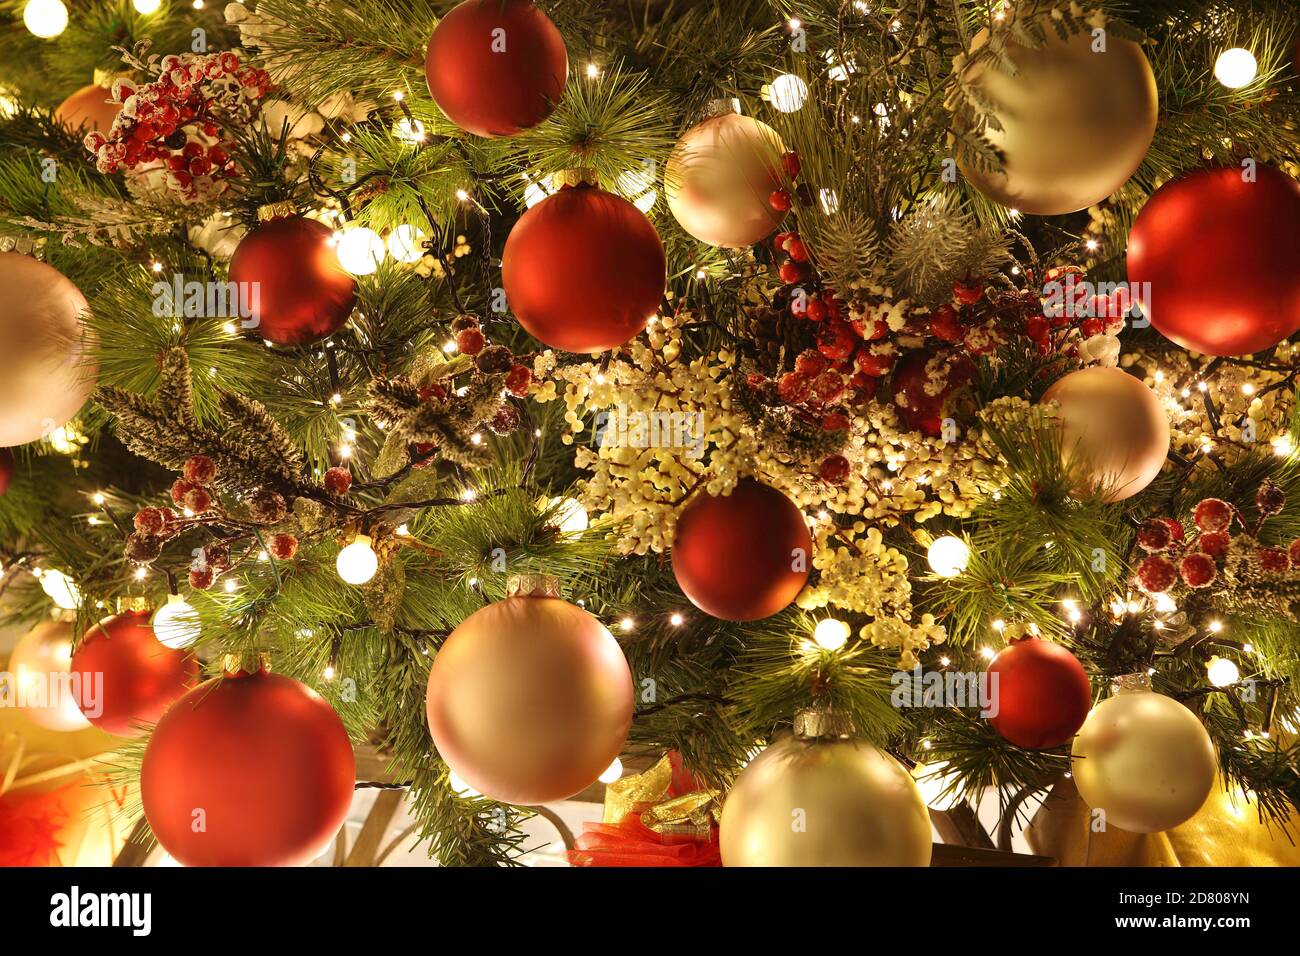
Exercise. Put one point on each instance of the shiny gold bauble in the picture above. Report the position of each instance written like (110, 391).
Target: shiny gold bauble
(824, 803)
(1114, 431)
(719, 177)
(529, 700)
(41, 663)
(1075, 124)
(45, 374)
(90, 108)
(1145, 760)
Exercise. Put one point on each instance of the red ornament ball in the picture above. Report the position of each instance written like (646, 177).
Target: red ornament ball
(584, 270)
(128, 677)
(1213, 514)
(1156, 575)
(1198, 570)
(1042, 694)
(6, 469)
(338, 481)
(1220, 254)
(742, 556)
(289, 274)
(262, 760)
(496, 67)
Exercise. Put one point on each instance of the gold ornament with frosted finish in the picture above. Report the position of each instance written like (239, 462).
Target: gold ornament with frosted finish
(824, 801)
(41, 665)
(45, 372)
(1143, 759)
(1076, 123)
(719, 177)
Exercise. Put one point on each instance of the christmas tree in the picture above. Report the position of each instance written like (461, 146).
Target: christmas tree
(849, 410)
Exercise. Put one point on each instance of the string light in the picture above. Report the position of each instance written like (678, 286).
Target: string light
(948, 556)
(357, 563)
(231, 585)
(787, 93)
(1235, 68)
(45, 18)
(59, 588)
(571, 517)
(1222, 672)
(935, 785)
(676, 620)
(831, 634)
(360, 250)
(404, 243)
(146, 7)
(612, 772)
(627, 624)
(176, 623)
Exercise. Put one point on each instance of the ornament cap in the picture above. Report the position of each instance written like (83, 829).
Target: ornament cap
(1130, 683)
(275, 210)
(578, 176)
(722, 106)
(814, 723)
(242, 665)
(133, 602)
(533, 585)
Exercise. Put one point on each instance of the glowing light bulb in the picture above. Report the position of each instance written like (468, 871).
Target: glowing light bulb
(1222, 671)
(788, 93)
(612, 772)
(176, 623)
(45, 18)
(360, 250)
(404, 243)
(60, 589)
(570, 516)
(357, 563)
(146, 7)
(627, 624)
(948, 556)
(831, 634)
(934, 784)
(1235, 68)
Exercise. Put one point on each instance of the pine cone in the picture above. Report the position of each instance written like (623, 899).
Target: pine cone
(266, 507)
(772, 330)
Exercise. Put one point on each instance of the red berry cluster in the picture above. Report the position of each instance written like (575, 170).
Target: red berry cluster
(338, 481)
(1195, 561)
(174, 122)
(190, 491)
(1090, 313)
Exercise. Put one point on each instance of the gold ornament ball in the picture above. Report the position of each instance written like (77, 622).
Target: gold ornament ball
(1075, 123)
(1114, 431)
(1145, 760)
(40, 664)
(824, 803)
(89, 108)
(45, 373)
(719, 177)
(529, 700)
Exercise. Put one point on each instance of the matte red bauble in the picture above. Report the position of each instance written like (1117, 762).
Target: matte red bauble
(530, 698)
(1220, 256)
(248, 770)
(6, 469)
(129, 677)
(1041, 693)
(583, 270)
(496, 67)
(290, 273)
(90, 108)
(743, 556)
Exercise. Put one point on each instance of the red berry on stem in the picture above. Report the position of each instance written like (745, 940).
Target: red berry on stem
(838, 422)
(815, 310)
(968, 291)
(796, 249)
(198, 500)
(811, 363)
(1198, 570)
(1293, 552)
(1213, 514)
(150, 521)
(1270, 499)
(470, 341)
(338, 481)
(1154, 535)
(1156, 575)
(201, 578)
(1214, 543)
(518, 380)
(283, 546)
(779, 200)
(1274, 560)
(790, 163)
(181, 488)
(793, 388)
(200, 469)
(792, 272)
(834, 469)
(1175, 527)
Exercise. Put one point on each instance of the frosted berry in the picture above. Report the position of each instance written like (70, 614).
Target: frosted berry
(1293, 552)
(1274, 560)
(201, 578)
(834, 469)
(828, 386)
(518, 381)
(874, 364)
(1198, 570)
(1214, 543)
(811, 363)
(338, 481)
(1270, 499)
(267, 507)
(462, 322)
(505, 421)
(150, 521)
(968, 291)
(792, 271)
(838, 422)
(143, 548)
(1156, 575)
(217, 555)
(1175, 527)
(945, 325)
(200, 469)
(470, 341)
(283, 546)
(1213, 514)
(198, 500)
(494, 360)
(794, 388)
(181, 488)
(1154, 535)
